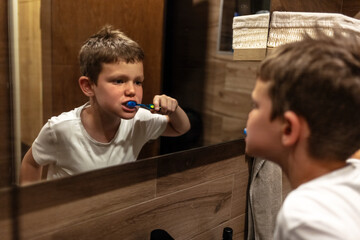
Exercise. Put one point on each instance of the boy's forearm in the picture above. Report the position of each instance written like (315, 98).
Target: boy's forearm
(179, 121)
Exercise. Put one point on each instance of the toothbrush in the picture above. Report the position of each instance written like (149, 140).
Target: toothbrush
(133, 104)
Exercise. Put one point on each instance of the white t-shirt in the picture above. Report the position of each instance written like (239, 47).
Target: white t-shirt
(327, 207)
(64, 144)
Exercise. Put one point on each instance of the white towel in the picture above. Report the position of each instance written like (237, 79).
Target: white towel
(288, 27)
(250, 31)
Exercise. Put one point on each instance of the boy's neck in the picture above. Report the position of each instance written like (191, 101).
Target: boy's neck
(99, 128)
(303, 169)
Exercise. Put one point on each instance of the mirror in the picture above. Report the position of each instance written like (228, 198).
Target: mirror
(50, 34)
(184, 62)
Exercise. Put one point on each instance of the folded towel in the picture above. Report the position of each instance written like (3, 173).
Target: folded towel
(250, 31)
(288, 27)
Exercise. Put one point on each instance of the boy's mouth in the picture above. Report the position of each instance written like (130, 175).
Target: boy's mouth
(131, 104)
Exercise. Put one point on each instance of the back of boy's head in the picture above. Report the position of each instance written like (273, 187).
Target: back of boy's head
(107, 46)
(318, 78)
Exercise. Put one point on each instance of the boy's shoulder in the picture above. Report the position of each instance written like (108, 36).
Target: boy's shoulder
(72, 115)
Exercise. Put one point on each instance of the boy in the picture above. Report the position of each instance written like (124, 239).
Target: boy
(105, 131)
(306, 118)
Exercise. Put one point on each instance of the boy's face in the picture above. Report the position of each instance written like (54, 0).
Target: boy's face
(263, 136)
(117, 84)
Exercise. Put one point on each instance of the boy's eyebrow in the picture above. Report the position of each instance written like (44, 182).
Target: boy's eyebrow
(116, 76)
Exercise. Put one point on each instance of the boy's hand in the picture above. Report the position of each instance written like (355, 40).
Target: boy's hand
(164, 104)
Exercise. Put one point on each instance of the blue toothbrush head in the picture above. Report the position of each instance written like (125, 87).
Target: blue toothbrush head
(131, 104)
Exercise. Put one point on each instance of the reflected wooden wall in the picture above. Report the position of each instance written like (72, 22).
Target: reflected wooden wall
(6, 221)
(5, 100)
(30, 70)
(346, 7)
(7, 203)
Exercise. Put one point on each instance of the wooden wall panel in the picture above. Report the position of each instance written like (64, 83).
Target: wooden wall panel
(5, 100)
(78, 199)
(333, 6)
(237, 224)
(186, 171)
(183, 214)
(30, 70)
(346, 7)
(351, 8)
(131, 200)
(6, 214)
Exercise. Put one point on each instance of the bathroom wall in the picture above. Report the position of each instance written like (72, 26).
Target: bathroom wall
(5, 102)
(346, 7)
(30, 69)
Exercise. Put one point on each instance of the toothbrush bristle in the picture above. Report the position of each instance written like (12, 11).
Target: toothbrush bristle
(131, 104)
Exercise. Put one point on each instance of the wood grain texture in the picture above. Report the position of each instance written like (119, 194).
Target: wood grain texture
(237, 225)
(183, 214)
(30, 68)
(6, 214)
(187, 170)
(70, 201)
(131, 200)
(250, 54)
(5, 100)
(351, 8)
(346, 7)
(307, 6)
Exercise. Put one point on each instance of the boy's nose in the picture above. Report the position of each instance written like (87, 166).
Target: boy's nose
(130, 89)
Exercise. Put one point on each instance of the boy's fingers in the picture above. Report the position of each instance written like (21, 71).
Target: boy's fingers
(156, 103)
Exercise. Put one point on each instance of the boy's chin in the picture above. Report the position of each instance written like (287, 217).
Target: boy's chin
(128, 115)
(251, 151)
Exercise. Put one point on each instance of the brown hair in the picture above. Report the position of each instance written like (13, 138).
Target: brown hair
(107, 46)
(319, 79)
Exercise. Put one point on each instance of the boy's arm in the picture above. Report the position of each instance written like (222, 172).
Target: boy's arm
(178, 121)
(30, 171)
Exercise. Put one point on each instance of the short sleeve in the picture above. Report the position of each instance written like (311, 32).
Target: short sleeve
(44, 147)
(155, 123)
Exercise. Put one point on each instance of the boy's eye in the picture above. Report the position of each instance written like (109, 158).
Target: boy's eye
(139, 83)
(119, 81)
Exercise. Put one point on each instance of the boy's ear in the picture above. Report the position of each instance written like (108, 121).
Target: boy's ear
(291, 131)
(86, 86)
